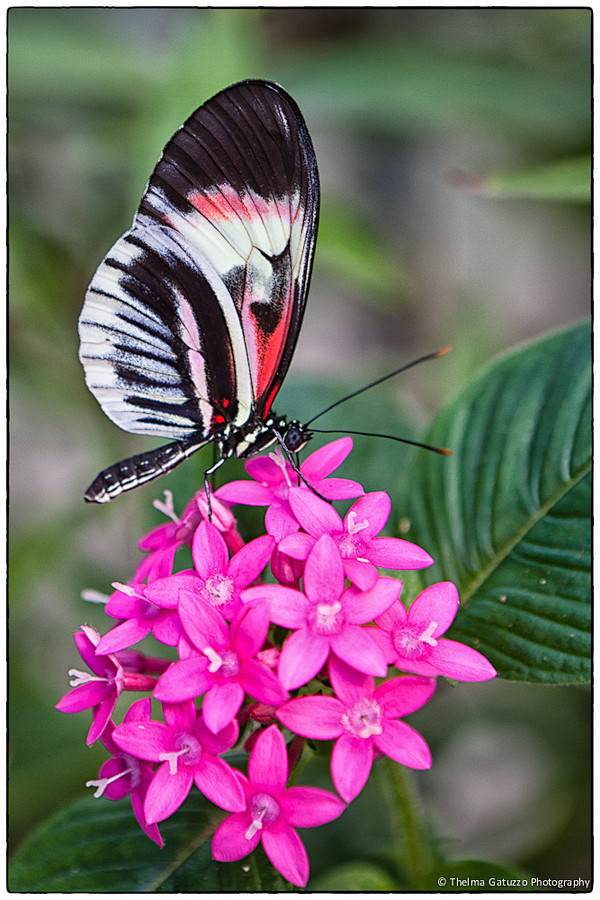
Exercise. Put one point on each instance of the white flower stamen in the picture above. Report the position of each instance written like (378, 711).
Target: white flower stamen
(354, 526)
(427, 636)
(102, 783)
(167, 507)
(79, 678)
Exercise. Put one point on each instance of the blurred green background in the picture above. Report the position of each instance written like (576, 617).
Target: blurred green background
(453, 147)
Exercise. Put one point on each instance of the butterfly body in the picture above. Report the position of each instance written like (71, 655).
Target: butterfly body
(242, 442)
(190, 322)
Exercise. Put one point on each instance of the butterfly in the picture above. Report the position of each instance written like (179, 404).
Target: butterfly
(190, 322)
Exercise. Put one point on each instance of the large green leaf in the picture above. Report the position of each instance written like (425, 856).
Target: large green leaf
(507, 516)
(96, 846)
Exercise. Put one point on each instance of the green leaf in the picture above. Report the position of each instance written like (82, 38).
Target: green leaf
(567, 180)
(507, 516)
(97, 846)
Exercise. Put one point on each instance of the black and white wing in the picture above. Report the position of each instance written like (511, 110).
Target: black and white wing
(191, 320)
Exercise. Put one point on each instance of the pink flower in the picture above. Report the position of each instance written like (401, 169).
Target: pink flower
(189, 753)
(123, 774)
(412, 641)
(355, 536)
(362, 720)
(274, 477)
(100, 690)
(216, 579)
(272, 813)
(227, 668)
(326, 618)
(164, 540)
(137, 605)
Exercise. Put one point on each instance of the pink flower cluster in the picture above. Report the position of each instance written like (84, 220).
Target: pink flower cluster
(343, 626)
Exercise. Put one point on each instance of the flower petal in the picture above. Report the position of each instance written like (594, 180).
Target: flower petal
(219, 783)
(221, 705)
(356, 647)
(401, 742)
(247, 492)
(124, 635)
(166, 792)
(145, 740)
(268, 763)
(348, 684)
(338, 488)
(305, 807)
(297, 545)
(437, 603)
(230, 841)
(361, 607)
(394, 553)
(313, 717)
(209, 550)
(315, 515)
(286, 852)
(280, 522)
(324, 572)
(261, 684)
(326, 459)
(374, 509)
(351, 762)
(403, 696)
(248, 563)
(183, 680)
(287, 606)
(455, 660)
(302, 656)
(361, 572)
(204, 626)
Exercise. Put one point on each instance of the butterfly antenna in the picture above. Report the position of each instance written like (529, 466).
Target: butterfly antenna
(367, 387)
(391, 437)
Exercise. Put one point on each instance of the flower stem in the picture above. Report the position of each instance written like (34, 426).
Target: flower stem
(412, 848)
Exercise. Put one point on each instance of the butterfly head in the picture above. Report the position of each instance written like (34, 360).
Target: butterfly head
(295, 436)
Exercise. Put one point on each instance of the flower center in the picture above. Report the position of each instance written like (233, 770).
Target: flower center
(225, 661)
(349, 543)
(363, 718)
(413, 642)
(326, 618)
(218, 590)
(187, 748)
(264, 810)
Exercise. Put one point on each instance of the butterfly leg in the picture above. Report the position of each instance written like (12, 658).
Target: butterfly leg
(294, 462)
(207, 483)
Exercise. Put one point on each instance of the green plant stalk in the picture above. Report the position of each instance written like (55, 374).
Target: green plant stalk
(412, 849)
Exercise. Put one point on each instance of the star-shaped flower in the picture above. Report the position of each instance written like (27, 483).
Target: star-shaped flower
(361, 720)
(326, 617)
(227, 667)
(356, 537)
(273, 477)
(215, 579)
(100, 690)
(411, 640)
(189, 753)
(272, 812)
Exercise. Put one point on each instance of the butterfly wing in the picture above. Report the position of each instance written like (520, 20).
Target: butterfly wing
(192, 318)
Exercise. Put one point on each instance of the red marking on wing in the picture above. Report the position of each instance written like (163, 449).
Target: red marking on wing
(225, 203)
